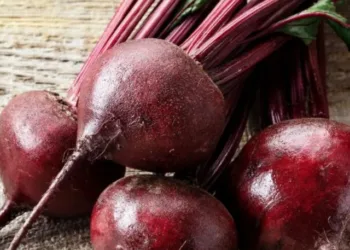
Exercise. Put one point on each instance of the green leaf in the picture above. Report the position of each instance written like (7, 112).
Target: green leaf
(341, 31)
(193, 7)
(305, 25)
(305, 29)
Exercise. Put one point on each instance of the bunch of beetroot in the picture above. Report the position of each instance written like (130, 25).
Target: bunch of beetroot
(172, 93)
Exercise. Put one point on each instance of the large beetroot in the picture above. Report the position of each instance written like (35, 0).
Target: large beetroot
(290, 187)
(157, 213)
(37, 130)
(152, 105)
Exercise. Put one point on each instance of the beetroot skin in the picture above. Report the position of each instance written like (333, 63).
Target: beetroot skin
(36, 130)
(154, 107)
(289, 187)
(158, 213)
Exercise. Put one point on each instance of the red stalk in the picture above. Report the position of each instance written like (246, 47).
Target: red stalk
(219, 16)
(285, 10)
(249, 5)
(209, 174)
(249, 59)
(321, 48)
(180, 33)
(5, 212)
(319, 105)
(280, 24)
(157, 19)
(129, 23)
(227, 39)
(297, 88)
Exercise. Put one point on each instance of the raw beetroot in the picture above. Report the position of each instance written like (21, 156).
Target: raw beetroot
(290, 189)
(37, 129)
(152, 105)
(157, 213)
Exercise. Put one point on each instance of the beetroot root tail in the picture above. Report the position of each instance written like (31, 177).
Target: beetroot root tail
(5, 212)
(38, 209)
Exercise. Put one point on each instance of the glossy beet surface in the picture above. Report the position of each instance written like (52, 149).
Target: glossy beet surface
(37, 129)
(152, 105)
(289, 187)
(157, 213)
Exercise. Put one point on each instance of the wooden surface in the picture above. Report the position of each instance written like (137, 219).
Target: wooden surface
(43, 43)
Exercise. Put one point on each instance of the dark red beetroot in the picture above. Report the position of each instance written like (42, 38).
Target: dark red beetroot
(289, 187)
(157, 213)
(37, 129)
(153, 105)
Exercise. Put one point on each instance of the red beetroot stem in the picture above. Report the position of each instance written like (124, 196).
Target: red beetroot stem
(246, 61)
(157, 19)
(287, 9)
(70, 165)
(119, 15)
(209, 174)
(5, 212)
(298, 83)
(319, 101)
(280, 24)
(321, 48)
(129, 23)
(275, 73)
(249, 5)
(180, 32)
(227, 39)
(219, 16)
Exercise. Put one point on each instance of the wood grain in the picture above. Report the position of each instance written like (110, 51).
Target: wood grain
(43, 43)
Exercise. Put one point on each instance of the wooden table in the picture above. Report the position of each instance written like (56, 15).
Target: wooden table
(43, 43)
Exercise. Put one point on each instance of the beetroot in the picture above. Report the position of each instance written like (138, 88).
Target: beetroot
(157, 213)
(289, 187)
(154, 107)
(37, 129)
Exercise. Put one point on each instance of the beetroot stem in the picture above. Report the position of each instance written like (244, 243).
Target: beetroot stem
(179, 33)
(70, 165)
(227, 39)
(157, 19)
(219, 16)
(5, 211)
(246, 61)
(297, 89)
(210, 173)
(319, 105)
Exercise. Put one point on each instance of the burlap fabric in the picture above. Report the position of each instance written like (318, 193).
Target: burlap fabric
(53, 234)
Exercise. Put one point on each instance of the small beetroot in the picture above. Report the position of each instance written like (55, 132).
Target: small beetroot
(157, 213)
(37, 129)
